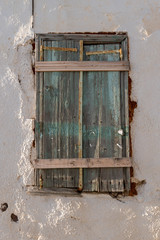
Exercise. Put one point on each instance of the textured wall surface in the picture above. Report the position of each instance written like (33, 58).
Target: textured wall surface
(93, 216)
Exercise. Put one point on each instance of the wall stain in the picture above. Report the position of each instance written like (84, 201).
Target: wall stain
(33, 52)
(132, 107)
(133, 190)
(33, 144)
(132, 104)
(20, 83)
(4, 207)
(14, 217)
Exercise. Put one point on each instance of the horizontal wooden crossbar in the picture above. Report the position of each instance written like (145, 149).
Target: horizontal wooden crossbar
(81, 163)
(60, 49)
(76, 66)
(103, 52)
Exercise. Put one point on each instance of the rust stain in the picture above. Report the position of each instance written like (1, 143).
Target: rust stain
(33, 51)
(60, 49)
(133, 190)
(33, 143)
(41, 182)
(33, 45)
(132, 106)
(41, 53)
(121, 54)
(33, 69)
(105, 52)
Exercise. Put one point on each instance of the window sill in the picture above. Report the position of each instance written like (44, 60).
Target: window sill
(34, 190)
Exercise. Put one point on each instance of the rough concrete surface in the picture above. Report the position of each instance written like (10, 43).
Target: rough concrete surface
(92, 216)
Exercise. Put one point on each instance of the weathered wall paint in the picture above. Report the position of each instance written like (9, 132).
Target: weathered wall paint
(90, 216)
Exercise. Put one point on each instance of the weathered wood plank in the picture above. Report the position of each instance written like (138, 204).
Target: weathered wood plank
(92, 110)
(82, 163)
(125, 114)
(60, 116)
(55, 191)
(105, 38)
(57, 66)
(80, 87)
(39, 114)
(110, 140)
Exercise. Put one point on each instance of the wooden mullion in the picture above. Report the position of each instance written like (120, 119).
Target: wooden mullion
(80, 185)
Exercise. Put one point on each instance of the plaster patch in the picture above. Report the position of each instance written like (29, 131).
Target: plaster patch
(143, 32)
(13, 19)
(60, 214)
(24, 33)
(8, 77)
(52, 10)
(41, 238)
(24, 167)
(152, 214)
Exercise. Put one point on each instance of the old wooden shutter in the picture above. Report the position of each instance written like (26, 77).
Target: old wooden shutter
(105, 126)
(59, 107)
(105, 120)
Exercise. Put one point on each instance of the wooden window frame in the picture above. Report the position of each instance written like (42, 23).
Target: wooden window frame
(80, 66)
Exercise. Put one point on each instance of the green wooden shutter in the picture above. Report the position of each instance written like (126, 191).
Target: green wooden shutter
(103, 121)
(60, 115)
(104, 116)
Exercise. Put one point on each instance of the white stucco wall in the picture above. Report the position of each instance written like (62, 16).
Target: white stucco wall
(91, 216)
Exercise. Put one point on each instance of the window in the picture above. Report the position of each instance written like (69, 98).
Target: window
(82, 123)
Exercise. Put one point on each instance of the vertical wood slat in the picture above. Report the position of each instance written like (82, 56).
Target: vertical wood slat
(125, 106)
(37, 108)
(80, 186)
(90, 121)
(47, 112)
(109, 177)
(112, 179)
(41, 103)
(40, 113)
(60, 122)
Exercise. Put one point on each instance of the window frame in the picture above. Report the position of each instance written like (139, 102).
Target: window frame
(80, 66)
